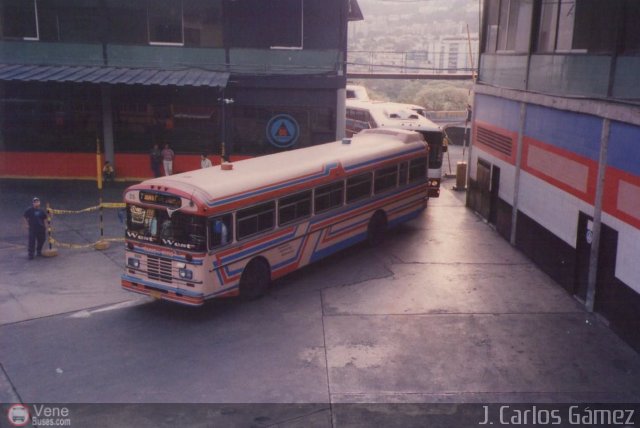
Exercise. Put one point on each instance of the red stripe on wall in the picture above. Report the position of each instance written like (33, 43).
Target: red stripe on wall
(588, 195)
(612, 181)
(83, 165)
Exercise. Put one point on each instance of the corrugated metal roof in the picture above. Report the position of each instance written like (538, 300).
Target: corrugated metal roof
(112, 75)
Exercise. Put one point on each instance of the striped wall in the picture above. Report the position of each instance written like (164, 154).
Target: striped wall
(559, 169)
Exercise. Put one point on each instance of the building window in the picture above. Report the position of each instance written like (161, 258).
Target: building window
(165, 22)
(19, 19)
(514, 27)
(566, 21)
(69, 21)
(275, 24)
(578, 26)
(548, 26)
(631, 36)
(287, 18)
(127, 23)
(203, 23)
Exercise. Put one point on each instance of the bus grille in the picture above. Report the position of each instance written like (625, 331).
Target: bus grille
(159, 268)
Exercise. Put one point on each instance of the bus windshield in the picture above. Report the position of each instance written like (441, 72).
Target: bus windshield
(155, 225)
(434, 139)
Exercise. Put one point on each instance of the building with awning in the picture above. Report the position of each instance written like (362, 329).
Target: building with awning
(202, 75)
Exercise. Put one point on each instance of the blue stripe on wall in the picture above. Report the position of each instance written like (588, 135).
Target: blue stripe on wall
(624, 148)
(497, 111)
(574, 132)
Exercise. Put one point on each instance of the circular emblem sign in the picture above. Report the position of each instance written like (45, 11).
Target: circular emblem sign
(283, 131)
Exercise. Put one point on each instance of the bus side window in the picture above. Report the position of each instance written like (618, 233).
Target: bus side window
(254, 220)
(358, 187)
(328, 197)
(402, 180)
(385, 178)
(294, 207)
(417, 169)
(220, 230)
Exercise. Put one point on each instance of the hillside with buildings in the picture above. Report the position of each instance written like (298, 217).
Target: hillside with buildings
(430, 36)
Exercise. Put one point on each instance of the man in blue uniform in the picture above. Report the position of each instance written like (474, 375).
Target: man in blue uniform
(35, 217)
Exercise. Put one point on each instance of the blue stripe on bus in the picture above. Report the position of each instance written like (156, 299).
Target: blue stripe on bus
(346, 209)
(317, 255)
(224, 263)
(323, 173)
(382, 159)
(405, 218)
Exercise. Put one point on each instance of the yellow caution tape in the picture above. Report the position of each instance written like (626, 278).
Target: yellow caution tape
(90, 209)
(89, 245)
(113, 205)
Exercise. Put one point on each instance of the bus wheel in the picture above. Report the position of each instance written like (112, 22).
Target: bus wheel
(255, 279)
(377, 228)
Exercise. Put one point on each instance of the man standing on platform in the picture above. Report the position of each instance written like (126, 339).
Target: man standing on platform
(167, 159)
(35, 218)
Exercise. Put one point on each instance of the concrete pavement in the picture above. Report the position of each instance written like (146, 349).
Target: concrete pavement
(444, 311)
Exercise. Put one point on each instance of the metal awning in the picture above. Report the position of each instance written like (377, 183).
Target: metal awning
(354, 13)
(113, 75)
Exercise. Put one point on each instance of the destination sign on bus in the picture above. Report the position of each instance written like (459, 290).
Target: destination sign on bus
(160, 199)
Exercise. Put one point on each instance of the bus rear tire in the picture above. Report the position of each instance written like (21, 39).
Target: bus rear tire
(377, 228)
(255, 279)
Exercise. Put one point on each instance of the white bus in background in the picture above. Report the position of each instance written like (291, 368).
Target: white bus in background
(368, 114)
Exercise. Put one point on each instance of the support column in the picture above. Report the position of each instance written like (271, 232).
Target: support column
(107, 123)
(516, 181)
(341, 114)
(597, 217)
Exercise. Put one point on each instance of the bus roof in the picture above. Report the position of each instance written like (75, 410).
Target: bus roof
(394, 115)
(267, 176)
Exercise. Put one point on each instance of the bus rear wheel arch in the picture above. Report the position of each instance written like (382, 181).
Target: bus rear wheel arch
(255, 279)
(377, 228)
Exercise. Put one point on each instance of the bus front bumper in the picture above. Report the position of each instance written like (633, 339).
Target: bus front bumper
(160, 294)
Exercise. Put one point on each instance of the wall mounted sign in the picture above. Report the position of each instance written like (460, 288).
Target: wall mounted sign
(283, 131)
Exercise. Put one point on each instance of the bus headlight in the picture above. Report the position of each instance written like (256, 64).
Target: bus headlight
(185, 274)
(133, 262)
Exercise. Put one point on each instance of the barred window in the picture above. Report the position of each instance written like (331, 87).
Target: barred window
(358, 187)
(385, 179)
(403, 167)
(417, 169)
(256, 219)
(294, 207)
(328, 197)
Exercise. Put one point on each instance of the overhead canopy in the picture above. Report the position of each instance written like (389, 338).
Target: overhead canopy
(355, 13)
(113, 75)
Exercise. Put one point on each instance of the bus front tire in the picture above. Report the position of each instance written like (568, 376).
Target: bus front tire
(377, 228)
(255, 279)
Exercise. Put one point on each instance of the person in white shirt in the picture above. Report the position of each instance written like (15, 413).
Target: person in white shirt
(204, 161)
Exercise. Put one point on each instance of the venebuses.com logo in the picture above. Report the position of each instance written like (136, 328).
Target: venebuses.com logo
(18, 415)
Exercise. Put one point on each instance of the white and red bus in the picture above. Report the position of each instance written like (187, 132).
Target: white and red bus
(232, 228)
(368, 114)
